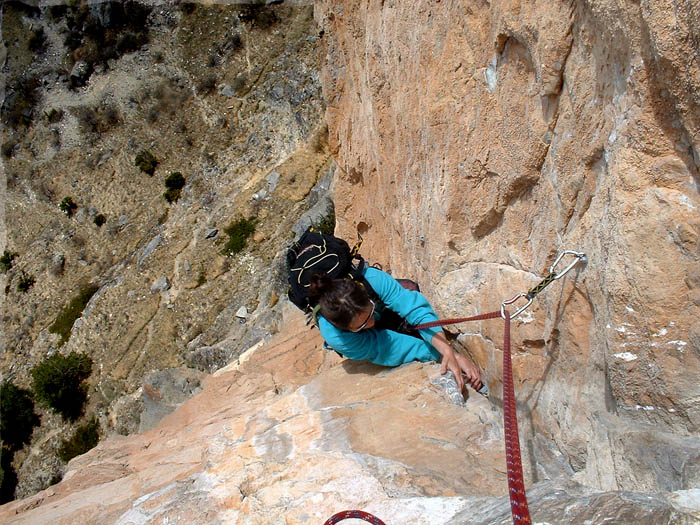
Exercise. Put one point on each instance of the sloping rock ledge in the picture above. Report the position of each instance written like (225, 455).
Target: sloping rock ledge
(292, 434)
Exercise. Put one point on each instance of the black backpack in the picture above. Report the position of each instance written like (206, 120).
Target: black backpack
(317, 252)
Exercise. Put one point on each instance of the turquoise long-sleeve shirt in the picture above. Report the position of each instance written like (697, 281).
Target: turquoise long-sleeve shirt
(381, 346)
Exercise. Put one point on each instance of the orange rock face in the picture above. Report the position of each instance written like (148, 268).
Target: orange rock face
(477, 140)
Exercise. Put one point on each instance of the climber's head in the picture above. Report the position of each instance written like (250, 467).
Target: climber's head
(344, 302)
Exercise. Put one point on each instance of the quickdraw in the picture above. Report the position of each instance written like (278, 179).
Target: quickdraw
(530, 296)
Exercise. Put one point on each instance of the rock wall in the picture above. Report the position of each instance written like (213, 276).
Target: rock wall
(476, 140)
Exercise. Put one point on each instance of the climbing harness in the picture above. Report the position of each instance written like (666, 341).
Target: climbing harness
(357, 514)
(516, 486)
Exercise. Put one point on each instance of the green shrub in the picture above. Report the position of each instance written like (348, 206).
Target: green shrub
(84, 438)
(258, 14)
(174, 184)
(17, 417)
(126, 30)
(146, 162)
(97, 119)
(25, 283)
(21, 97)
(207, 85)
(100, 220)
(188, 7)
(8, 147)
(6, 261)
(8, 476)
(37, 42)
(327, 223)
(64, 322)
(58, 382)
(238, 233)
(53, 116)
(67, 206)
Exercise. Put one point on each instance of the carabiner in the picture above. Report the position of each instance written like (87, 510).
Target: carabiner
(511, 301)
(580, 257)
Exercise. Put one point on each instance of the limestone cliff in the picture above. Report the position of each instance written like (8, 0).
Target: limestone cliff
(476, 140)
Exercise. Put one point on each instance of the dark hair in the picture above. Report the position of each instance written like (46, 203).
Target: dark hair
(340, 299)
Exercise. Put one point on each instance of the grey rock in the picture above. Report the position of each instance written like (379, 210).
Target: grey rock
(104, 158)
(57, 263)
(207, 358)
(272, 180)
(314, 215)
(260, 195)
(211, 234)
(227, 91)
(80, 73)
(164, 391)
(558, 501)
(150, 247)
(322, 187)
(160, 285)
(449, 385)
(123, 220)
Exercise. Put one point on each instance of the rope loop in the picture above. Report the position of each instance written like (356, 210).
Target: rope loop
(357, 514)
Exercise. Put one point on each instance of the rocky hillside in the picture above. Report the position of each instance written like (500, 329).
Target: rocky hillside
(132, 265)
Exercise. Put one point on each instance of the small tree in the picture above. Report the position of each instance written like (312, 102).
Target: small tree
(8, 476)
(25, 282)
(238, 233)
(174, 184)
(100, 220)
(17, 416)
(59, 383)
(84, 438)
(67, 206)
(6, 261)
(146, 162)
(63, 325)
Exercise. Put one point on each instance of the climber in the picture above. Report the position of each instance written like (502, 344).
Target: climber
(355, 325)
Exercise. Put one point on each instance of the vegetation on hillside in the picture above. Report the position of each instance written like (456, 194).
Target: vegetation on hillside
(64, 322)
(58, 383)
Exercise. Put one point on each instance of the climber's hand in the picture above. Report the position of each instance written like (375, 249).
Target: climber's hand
(459, 365)
(471, 372)
(449, 362)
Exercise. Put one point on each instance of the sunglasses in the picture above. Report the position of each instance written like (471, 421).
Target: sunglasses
(363, 325)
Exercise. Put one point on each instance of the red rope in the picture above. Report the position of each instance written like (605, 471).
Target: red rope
(516, 486)
(482, 317)
(357, 514)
